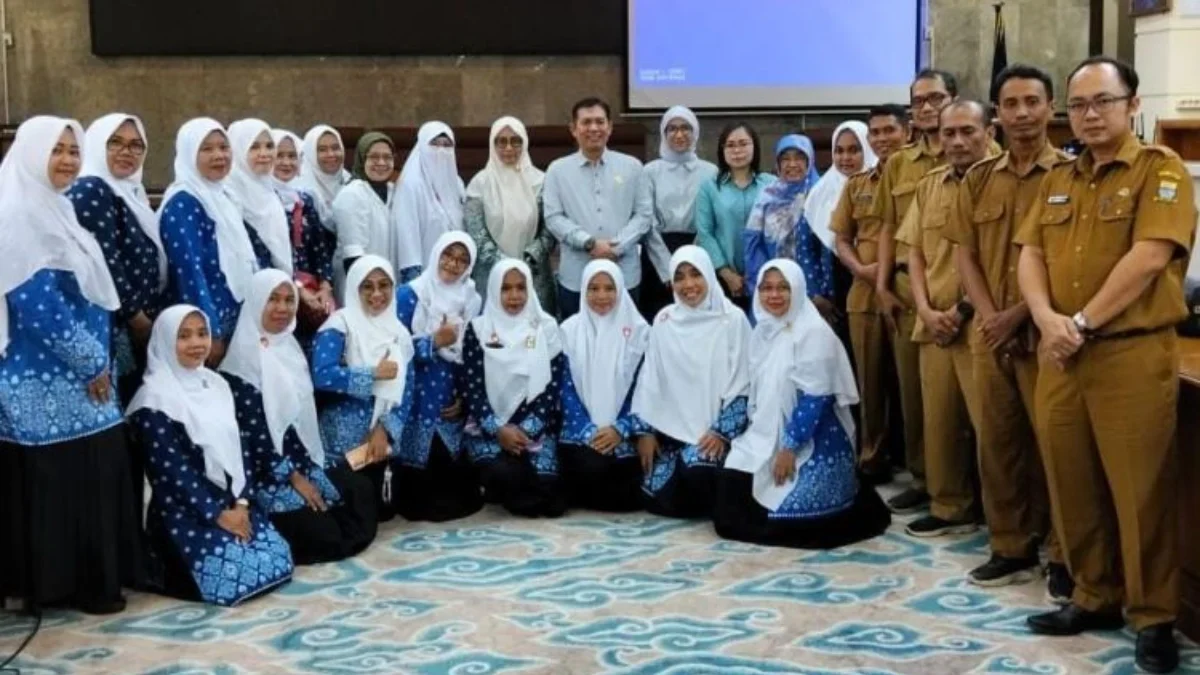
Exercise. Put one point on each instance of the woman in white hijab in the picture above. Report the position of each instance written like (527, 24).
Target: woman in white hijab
(68, 528)
(313, 246)
(363, 208)
(210, 258)
(429, 197)
(690, 399)
(111, 203)
(251, 189)
(362, 359)
(325, 515)
(323, 171)
(790, 479)
(438, 484)
(604, 344)
(503, 211)
(513, 361)
(215, 545)
(851, 154)
(673, 181)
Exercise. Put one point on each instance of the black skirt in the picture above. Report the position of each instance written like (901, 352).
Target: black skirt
(344, 530)
(512, 482)
(446, 489)
(740, 517)
(654, 294)
(601, 482)
(68, 524)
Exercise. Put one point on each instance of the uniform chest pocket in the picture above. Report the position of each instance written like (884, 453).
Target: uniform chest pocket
(1056, 228)
(986, 214)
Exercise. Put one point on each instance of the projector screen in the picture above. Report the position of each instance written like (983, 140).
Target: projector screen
(771, 53)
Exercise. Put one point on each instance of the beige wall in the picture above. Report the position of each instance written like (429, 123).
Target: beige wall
(51, 69)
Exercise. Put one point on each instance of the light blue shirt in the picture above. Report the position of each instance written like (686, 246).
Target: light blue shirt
(601, 200)
(722, 211)
(672, 188)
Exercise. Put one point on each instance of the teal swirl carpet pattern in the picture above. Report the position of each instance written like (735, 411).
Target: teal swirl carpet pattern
(592, 593)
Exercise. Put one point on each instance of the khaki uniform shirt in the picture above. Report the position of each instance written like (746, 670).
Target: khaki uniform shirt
(924, 228)
(898, 186)
(1085, 220)
(854, 218)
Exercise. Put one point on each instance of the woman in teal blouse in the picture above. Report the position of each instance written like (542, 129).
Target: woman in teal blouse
(724, 203)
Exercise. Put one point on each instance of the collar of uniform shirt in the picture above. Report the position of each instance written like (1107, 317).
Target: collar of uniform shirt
(584, 161)
(924, 149)
(1126, 155)
(1046, 159)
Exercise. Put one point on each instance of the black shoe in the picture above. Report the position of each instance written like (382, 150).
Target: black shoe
(876, 477)
(1073, 620)
(102, 607)
(932, 526)
(1001, 571)
(1059, 584)
(1157, 651)
(909, 501)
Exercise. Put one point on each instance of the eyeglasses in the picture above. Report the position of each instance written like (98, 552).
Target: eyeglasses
(935, 99)
(738, 145)
(673, 129)
(380, 159)
(1101, 104)
(456, 260)
(117, 146)
(514, 142)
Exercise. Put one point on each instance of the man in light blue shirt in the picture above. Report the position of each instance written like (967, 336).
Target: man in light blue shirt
(593, 205)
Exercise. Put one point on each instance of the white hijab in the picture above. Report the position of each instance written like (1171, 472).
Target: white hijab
(199, 399)
(825, 194)
(664, 145)
(509, 193)
(130, 190)
(456, 302)
(696, 361)
(429, 195)
(38, 228)
(370, 338)
(322, 186)
(798, 352)
(287, 191)
(275, 365)
(235, 253)
(255, 194)
(604, 351)
(519, 368)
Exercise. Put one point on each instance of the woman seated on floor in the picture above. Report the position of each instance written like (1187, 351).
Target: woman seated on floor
(790, 479)
(434, 481)
(323, 515)
(362, 360)
(604, 344)
(213, 543)
(513, 359)
(690, 400)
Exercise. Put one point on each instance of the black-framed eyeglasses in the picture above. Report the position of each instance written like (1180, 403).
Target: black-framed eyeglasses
(117, 146)
(514, 142)
(935, 99)
(673, 129)
(1101, 104)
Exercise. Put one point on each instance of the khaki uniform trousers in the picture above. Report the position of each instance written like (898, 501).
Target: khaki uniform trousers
(908, 371)
(1013, 481)
(1107, 428)
(948, 390)
(868, 341)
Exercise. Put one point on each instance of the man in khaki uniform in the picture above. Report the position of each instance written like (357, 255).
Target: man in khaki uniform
(931, 90)
(1101, 268)
(947, 388)
(857, 232)
(996, 194)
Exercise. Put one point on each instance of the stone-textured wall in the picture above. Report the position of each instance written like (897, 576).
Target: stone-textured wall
(51, 69)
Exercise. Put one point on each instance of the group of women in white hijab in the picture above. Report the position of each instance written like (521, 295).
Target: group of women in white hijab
(277, 429)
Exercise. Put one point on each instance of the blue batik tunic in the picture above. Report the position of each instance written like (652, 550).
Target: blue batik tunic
(348, 403)
(314, 249)
(826, 484)
(540, 419)
(577, 425)
(814, 259)
(184, 507)
(130, 253)
(436, 387)
(59, 343)
(194, 275)
(262, 254)
(674, 455)
(268, 471)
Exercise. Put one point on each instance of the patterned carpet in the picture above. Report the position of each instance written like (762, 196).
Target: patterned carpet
(593, 593)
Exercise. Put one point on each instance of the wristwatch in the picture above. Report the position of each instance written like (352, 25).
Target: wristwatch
(589, 244)
(1082, 324)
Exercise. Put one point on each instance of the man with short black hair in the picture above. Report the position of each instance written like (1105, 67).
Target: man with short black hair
(1102, 262)
(593, 205)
